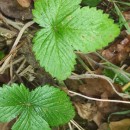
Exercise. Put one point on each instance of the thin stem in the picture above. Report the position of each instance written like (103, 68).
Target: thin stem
(2, 69)
(76, 125)
(123, 95)
(21, 33)
(113, 67)
(83, 64)
(96, 99)
(70, 127)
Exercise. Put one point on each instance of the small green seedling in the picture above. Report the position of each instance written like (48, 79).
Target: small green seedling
(39, 109)
(67, 27)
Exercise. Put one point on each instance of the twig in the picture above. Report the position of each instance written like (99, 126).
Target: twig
(2, 69)
(12, 23)
(21, 33)
(96, 99)
(16, 61)
(76, 125)
(11, 68)
(70, 127)
(83, 64)
(11, 53)
(21, 66)
(7, 33)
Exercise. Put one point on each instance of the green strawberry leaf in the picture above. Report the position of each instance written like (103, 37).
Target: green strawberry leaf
(56, 56)
(53, 103)
(43, 107)
(52, 12)
(30, 120)
(11, 99)
(67, 28)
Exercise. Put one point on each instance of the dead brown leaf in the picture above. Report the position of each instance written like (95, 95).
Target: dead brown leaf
(118, 52)
(127, 16)
(4, 78)
(116, 125)
(120, 125)
(24, 3)
(89, 111)
(103, 126)
(95, 87)
(11, 8)
(4, 126)
(86, 111)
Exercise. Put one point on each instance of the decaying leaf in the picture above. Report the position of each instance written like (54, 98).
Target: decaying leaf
(24, 3)
(89, 111)
(127, 16)
(86, 111)
(120, 125)
(118, 52)
(116, 125)
(12, 9)
(90, 88)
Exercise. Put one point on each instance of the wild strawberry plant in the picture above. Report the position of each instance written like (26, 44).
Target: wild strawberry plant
(67, 27)
(36, 110)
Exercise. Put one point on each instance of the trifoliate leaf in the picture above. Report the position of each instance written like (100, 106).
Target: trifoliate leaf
(30, 120)
(56, 56)
(11, 101)
(54, 104)
(52, 12)
(67, 27)
(37, 109)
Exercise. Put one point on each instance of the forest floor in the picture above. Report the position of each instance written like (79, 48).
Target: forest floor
(109, 68)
